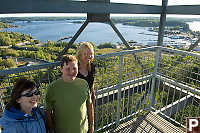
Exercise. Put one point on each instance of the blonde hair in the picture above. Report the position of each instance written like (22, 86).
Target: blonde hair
(82, 48)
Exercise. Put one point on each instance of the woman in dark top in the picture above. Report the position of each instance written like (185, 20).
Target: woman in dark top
(85, 55)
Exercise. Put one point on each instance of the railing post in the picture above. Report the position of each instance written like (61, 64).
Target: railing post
(158, 51)
(161, 31)
(153, 83)
(119, 89)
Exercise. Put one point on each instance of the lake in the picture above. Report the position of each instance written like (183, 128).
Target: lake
(94, 32)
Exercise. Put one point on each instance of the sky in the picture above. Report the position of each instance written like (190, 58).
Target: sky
(147, 2)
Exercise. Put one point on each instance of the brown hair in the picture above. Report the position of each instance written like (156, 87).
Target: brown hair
(20, 86)
(66, 59)
(82, 48)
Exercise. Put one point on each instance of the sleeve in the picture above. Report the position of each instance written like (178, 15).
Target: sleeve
(92, 69)
(92, 74)
(49, 102)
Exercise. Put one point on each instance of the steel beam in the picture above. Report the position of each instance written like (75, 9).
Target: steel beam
(64, 6)
(162, 23)
(67, 6)
(184, 9)
(69, 45)
(119, 34)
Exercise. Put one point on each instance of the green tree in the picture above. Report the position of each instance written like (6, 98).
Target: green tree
(7, 63)
(106, 45)
(36, 41)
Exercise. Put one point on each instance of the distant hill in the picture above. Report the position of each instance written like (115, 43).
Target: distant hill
(115, 19)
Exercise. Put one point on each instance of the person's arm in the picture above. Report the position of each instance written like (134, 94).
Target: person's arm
(49, 121)
(49, 110)
(93, 95)
(92, 88)
(90, 111)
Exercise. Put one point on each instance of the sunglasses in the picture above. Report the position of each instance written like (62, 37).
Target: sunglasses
(30, 94)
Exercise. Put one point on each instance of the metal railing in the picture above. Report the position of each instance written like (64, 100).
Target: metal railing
(168, 83)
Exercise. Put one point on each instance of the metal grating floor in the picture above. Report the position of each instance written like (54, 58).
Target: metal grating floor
(148, 123)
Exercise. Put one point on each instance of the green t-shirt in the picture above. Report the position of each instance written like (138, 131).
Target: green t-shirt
(69, 102)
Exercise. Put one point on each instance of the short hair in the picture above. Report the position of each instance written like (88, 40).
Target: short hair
(84, 46)
(20, 86)
(66, 59)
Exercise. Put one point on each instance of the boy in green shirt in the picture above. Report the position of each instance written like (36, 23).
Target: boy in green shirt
(70, 101)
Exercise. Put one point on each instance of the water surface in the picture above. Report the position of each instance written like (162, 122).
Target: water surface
(94, 32)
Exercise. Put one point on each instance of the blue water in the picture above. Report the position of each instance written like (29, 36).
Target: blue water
(94, 32)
